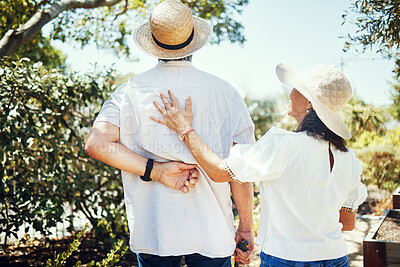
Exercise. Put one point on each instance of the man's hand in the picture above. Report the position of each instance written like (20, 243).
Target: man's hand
(244, 257)
(102, 144)
(177, 175)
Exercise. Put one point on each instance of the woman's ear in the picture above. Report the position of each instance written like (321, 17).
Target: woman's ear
(309, 105)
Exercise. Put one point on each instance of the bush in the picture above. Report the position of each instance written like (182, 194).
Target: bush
(45, 116)
(384, 170)
(381, 157)
(361, 117)
(372, 139)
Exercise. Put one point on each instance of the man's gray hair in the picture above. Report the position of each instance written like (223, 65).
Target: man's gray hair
(187, 58)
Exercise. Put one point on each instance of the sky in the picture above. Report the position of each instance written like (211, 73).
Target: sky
(300, 34)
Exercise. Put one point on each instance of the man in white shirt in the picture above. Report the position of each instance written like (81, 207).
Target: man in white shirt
(165, 224)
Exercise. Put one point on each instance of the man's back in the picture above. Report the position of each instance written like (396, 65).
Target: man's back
(218, 108)
(198, 222)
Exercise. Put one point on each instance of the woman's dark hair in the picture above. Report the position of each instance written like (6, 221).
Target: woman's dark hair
(314, 127)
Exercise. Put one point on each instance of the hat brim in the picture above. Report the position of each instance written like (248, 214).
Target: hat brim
(202, 34)
(296, 79)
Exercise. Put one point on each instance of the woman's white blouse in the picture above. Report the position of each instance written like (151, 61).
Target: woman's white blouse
(300, 196)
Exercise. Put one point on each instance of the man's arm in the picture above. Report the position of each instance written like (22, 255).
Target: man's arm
(103, 144)
(243, 196)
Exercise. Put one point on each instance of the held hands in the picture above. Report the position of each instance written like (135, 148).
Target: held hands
(175, 117)
(177, 175)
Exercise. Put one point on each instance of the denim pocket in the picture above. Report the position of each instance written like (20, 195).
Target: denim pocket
(340, 262)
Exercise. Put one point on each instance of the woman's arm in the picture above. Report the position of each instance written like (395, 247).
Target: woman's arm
(208, 160)
(348, 220)
(180, 120)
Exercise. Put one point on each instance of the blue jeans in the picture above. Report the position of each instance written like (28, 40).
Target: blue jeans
(271, 261)
(192, 260)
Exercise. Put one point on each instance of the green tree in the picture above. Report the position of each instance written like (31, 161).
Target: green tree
(378, 23)
(16, 12)
(106, 23)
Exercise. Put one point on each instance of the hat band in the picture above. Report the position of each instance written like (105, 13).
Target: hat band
(174, 47)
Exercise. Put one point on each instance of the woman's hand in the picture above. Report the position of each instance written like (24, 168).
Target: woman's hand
(175, 117)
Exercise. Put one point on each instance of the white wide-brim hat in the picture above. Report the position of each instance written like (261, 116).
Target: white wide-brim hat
(172, 31)
(328, 90)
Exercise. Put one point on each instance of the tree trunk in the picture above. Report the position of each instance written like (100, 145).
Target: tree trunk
(16, 37)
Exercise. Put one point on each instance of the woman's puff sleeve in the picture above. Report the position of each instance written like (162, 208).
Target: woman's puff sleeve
(264, 160)
(358, 192)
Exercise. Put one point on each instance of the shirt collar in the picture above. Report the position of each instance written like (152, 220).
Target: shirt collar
(180, 63)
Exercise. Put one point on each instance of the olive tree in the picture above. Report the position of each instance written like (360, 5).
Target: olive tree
(106, 23)
(378, 26)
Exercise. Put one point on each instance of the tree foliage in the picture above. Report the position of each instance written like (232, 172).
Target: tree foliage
(109, 23)
(264, 114)
(16, 12)
(395, 107)
(45, 117)
(378, 23)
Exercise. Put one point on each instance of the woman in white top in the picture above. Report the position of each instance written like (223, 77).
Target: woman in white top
(309, 180)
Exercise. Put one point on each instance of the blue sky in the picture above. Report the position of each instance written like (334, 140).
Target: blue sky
(298, 33)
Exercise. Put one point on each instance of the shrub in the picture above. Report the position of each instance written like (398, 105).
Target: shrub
(384, 170)
(113, 256)
(380, 156)
(361, 117)
(45, 116)
(372, 139)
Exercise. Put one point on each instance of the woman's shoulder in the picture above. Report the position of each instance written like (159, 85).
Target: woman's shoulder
(278, 130)
(276, 136)
(350, 157)
(274, 132)
(280, 133)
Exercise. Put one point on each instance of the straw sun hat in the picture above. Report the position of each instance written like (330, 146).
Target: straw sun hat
(172, 31)
(326, 88)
